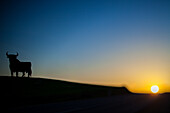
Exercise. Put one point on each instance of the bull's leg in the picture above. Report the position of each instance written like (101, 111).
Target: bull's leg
(16, 73)
(29, 73)
(23, 74)
(11, 73)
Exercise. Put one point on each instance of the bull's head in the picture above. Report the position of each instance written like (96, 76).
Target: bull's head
(11, 55)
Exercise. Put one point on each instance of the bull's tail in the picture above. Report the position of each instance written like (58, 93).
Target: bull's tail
(29, 70)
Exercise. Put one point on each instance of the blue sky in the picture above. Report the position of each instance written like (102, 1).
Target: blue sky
(93, 41)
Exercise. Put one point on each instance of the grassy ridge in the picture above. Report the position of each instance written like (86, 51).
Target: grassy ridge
(24, 91)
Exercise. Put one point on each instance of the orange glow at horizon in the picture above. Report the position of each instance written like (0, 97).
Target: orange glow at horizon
(134, 69)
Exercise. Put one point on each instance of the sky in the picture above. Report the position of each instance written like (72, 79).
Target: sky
(106, 42)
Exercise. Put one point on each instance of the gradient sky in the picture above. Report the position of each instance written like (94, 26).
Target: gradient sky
(107, 42)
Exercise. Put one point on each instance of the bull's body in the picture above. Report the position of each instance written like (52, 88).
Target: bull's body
(21, 67)
(17, 66)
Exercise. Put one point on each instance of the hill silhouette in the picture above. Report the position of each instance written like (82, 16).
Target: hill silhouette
(17, 91)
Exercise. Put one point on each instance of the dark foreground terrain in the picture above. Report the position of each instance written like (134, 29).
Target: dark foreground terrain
(37, 95)
(18, 91)
(114, 104)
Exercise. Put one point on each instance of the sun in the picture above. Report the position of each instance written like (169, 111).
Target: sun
(154, 89)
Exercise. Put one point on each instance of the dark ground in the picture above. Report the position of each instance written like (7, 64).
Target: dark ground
(37, 95)
(130, 103)
(18, 91)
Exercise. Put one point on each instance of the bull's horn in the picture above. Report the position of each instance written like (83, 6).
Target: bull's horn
(17, 53)
(7, 53)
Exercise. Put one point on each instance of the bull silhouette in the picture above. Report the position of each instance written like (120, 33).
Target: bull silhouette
(16, 66)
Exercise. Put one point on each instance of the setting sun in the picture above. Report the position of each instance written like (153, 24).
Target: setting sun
(154, 89)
